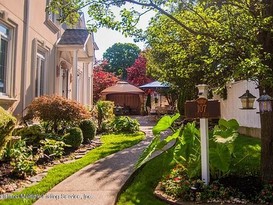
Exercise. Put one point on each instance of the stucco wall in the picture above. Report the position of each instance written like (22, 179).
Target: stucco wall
(34, 33)
(12, 12)
(249, 120)
(37, 32)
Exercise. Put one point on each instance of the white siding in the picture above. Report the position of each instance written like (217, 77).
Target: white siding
(230, 108)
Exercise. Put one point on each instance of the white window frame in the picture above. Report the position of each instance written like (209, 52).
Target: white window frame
(40, 74)
(10, 59)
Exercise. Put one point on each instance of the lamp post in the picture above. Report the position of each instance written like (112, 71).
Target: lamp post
(265, 103)
(202, 90)
(265, 106)
(247, 100)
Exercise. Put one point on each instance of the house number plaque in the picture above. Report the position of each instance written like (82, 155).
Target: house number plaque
(202, 108)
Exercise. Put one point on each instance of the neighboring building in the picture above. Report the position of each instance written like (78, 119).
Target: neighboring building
(249, 119)
(40, 56)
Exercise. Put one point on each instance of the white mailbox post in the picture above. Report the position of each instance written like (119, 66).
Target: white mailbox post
(203, 109)
(203, 93)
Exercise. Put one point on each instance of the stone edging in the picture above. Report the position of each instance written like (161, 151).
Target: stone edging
(169, 200)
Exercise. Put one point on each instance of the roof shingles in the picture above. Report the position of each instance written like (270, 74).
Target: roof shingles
(74, 37)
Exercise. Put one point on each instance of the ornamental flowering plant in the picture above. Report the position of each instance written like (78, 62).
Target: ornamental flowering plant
(266, 195)
(177, 184)
(228, 190)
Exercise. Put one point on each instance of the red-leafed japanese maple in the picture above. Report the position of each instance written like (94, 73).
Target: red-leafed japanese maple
(57, 111)
(102, 79)
(136, 74)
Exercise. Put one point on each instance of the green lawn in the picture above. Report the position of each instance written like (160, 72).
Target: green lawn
(111, 144)
(140, 191)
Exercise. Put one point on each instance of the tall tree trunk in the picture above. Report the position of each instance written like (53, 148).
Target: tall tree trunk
(266, 40)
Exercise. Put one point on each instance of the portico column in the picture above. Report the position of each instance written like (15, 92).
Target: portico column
(75, 76)
(90, 84)
(85, 84)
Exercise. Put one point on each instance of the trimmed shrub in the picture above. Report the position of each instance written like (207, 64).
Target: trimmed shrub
(7, 124)
(125, 124)
(58, 112)
(31, 134)
(103, 113)
(52, 148)
(88, 128)
(74, 137)
(21, 159)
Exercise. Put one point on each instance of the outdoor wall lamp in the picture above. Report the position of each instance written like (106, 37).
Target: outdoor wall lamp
(247, 100)
(265, 103)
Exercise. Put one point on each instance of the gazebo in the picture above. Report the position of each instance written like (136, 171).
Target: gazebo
(125, 96)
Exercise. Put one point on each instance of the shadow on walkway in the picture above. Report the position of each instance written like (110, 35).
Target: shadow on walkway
(100, 183)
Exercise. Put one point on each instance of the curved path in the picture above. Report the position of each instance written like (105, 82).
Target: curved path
(99, 183)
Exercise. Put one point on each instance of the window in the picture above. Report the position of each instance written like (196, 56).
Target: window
(39, 65)
(5, 60)
(40, 74)
(52, 20)
(53, 17)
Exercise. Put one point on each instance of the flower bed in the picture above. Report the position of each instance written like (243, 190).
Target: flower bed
(176, 188)
(9, 183)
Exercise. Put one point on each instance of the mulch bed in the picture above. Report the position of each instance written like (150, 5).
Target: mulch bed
(9, 183)
(176, 201)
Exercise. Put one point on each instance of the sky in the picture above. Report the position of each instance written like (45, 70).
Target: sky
(105, 38)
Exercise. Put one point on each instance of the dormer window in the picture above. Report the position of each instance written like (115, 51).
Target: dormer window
(52, 17)
(52, 20)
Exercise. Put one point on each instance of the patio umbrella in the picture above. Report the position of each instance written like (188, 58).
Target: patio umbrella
(155, 85)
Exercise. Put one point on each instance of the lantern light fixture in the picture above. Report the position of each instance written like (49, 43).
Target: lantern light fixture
(265, 103)
(202, 90)
(247, 100)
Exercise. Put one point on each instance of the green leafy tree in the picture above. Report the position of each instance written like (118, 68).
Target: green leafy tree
(233, 37)
(229, 49)
(121, 56)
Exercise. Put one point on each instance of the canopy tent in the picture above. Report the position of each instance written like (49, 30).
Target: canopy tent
(125, 95)
(155, 85)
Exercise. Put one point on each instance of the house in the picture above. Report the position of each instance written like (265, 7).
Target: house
(40, 56)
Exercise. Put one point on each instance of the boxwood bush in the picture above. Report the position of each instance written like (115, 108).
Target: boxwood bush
(31, 134)
(125, 124)
(88, 128)
(7, 124)
(74, 137)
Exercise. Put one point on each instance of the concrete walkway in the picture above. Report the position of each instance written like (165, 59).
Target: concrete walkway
(98, 183)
